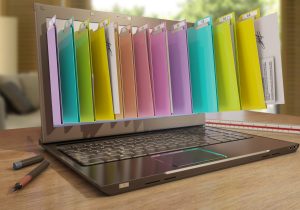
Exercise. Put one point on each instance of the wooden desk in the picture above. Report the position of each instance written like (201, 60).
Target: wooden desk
(268, 184)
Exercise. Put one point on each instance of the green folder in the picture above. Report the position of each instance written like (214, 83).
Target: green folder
(224, 43)
(84, 71)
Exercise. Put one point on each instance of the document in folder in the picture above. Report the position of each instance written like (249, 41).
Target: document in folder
(202, 67)
(142, 68)
(102, 86)
(54, 72)
(84, 70)
(161, 71)
(179, 68)
(128, 73)
(68, 74)
(251, 87)
(268, 43)
(228, 90)
(112, 61)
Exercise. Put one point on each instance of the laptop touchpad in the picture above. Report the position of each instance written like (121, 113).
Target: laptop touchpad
(188, 157)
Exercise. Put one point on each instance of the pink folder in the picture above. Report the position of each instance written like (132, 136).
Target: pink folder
(54, 73)
(143, 78)
(160, 71)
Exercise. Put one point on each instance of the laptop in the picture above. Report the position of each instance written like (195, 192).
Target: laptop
(126, 155)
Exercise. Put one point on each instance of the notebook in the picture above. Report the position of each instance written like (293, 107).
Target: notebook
(179, 68)
(202, 67)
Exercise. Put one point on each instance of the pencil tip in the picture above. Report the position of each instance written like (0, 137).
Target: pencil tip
(11, 190)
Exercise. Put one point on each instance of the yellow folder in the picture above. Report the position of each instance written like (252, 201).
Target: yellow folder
(251, 87)
(224, 44)
(102, 86)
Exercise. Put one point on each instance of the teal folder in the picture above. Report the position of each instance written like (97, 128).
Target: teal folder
(68, 75)
(202, 67)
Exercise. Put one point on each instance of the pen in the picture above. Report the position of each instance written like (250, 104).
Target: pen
(27, 162)
(30, 176)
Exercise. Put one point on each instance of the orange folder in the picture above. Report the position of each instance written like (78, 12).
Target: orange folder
(121, 98)
(128, 73)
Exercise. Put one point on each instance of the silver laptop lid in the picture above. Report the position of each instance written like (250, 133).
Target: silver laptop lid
(96, 129)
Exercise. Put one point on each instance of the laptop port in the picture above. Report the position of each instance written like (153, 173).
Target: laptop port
(152, 182)
(169, 178)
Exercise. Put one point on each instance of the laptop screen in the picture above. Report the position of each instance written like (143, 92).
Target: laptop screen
(59, 123)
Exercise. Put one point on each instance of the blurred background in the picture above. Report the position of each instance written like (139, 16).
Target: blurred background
(18, 45)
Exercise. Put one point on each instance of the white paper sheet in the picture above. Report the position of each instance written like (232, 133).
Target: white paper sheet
(268, 43)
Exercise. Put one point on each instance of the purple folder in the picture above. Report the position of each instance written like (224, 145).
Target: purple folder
(54, 73)
(179, 67)
(160, 71)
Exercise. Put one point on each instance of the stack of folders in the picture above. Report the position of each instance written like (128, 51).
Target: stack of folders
(105, 72)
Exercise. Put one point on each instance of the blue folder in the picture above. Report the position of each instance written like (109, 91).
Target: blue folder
(68, 75)
(202, 67)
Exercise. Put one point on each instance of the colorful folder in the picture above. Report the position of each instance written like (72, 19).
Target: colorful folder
(251, 88)
(68, 74)
(112, 61)
(102, 86)
(179, 68)
(224, 45)
(54, 72)
(120, 83)
(202, 67)
(232, 20)
(84, 72)
(142, 68)
(161, 71)
(128, 73)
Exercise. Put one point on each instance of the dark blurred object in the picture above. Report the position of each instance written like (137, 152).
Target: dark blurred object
(28, 83)
(290, 34)
(23, 10)
(16, 98)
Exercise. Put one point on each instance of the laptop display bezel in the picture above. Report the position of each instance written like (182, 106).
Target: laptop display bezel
(78, 131)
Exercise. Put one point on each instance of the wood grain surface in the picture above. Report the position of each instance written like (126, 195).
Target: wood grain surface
(268, 184)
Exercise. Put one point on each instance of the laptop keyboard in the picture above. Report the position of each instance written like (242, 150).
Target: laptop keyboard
(116, 148)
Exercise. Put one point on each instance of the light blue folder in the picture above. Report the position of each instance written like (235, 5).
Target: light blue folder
(68, 75)
(202, 67)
